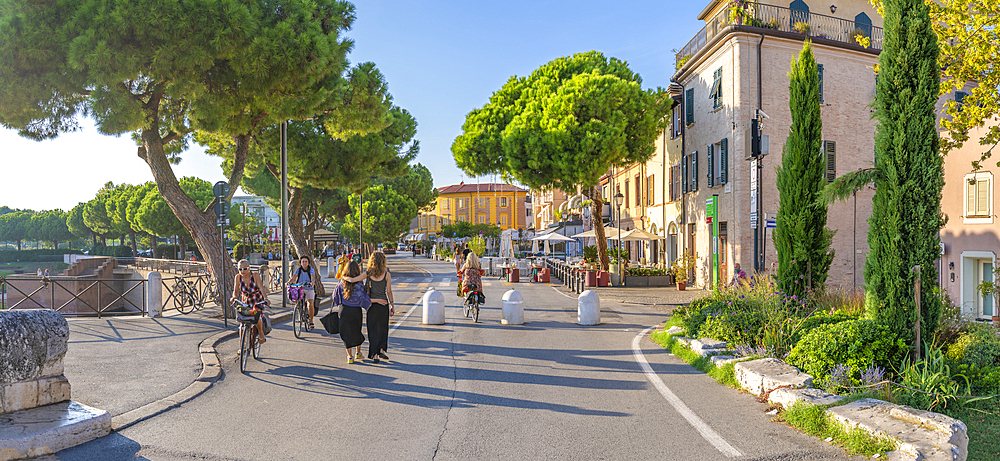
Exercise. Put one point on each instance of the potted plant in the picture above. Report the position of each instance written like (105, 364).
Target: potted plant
(801, 27)
(992, 288)
(681, 269)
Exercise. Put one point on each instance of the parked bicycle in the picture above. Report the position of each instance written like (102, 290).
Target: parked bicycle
(248, 316)
(186, 298)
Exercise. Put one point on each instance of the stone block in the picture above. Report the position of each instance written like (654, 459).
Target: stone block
(674, 330)
(20, 396)
(721, 360)
(764, 375)
(53, 390)
(683, 340)
(708, 346)
(788, 397)
(32, 342)
(48, 429)
(916, 440)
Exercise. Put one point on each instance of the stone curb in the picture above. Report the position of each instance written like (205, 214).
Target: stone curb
(211, 371)
(919, 435)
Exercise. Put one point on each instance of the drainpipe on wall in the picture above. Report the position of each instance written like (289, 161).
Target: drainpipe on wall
(758, 242)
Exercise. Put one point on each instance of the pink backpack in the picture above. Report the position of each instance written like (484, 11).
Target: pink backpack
(295, 293)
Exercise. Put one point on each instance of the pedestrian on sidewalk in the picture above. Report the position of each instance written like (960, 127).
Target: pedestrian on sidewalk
(347, 295)
(305, 274)
(739, 277)
(248, 286)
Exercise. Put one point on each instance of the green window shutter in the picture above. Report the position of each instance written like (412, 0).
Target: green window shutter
(724, 161)
(716, 94)
(689, 106)
(819, 67)
(830, 150)
(684, 174)
(711, 168)
(694, 171)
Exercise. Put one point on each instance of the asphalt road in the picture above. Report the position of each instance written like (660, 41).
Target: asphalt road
(548, 389)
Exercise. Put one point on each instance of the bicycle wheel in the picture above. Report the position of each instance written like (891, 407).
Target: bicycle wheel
(298, 318)
(475, 312)
(465, 306)
(183, 300)
(254, 345)
(245, 338)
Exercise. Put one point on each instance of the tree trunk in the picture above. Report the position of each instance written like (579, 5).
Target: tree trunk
(152, 245)
(296, 234)
(199, 223)
(135, 251)
(595, 217)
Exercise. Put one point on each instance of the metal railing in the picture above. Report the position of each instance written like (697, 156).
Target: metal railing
(753, 15)
(569, 276)
(165, 266)
(81, 296)
(204, 291)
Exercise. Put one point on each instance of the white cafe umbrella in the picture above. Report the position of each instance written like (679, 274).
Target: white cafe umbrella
(635, 234)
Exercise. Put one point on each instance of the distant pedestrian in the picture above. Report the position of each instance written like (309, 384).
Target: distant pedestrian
(46, 273)
(39, 272)
(347, 295)
(739, 276)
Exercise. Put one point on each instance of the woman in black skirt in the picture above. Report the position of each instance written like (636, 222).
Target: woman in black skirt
(348, 296)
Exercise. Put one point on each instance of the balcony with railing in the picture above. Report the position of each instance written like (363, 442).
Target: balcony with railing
(759, 18)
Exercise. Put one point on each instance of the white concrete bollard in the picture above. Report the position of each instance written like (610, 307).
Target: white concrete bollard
(154, 294)
(433, 307)
(331, 267)
(513, 308)
(588, 308)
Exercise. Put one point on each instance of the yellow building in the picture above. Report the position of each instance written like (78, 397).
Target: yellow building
(500, 204)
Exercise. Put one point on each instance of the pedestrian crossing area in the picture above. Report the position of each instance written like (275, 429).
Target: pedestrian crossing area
(425, 282)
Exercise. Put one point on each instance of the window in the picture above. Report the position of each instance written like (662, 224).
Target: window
(693, 169)
(626, 193)
(444, 203)
(684, 174)
(481, 219)
(503, 220)
(711, 165)
(716, 92)
(863, 25)
(830, 151)
(676, 121)
(460, 202)
(724, 161)
(799, 15)
(675, 182)
(960, 99)
(482, 202)
(650, 190)
(638, 191)
(819, 69)
(503, 202)
(689, 106)
(978, 193)
(718, 163)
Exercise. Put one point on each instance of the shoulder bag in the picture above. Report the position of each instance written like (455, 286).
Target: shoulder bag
(331, 321)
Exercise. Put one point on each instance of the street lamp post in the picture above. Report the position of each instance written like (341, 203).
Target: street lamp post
(618, 203)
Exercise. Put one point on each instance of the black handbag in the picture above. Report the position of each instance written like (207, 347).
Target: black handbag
(331, 322)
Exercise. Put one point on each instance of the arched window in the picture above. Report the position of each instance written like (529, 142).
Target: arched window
(863, 25)
(799, 13)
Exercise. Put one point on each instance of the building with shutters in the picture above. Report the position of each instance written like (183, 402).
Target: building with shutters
(734, 71)
(499, 204)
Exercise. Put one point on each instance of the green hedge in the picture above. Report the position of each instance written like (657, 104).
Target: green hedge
(979, 346)
(8, 256)
(116, 252)
(855, 343)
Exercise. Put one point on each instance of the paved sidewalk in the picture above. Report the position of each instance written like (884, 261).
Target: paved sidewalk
(121, 364)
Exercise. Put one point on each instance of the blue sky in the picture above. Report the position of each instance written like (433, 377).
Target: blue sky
(441, 58)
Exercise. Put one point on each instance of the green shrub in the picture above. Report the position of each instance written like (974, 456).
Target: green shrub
(167, 251)
(113, 251)
(818, 320)
(979, 345)
(857, 344)
(694, 315)
(240, 251)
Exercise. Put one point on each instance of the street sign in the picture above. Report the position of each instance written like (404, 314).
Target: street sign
(753, 174)
(771, 224)
(221, 221)
(222, 208)
(753, 220)
(221, 189)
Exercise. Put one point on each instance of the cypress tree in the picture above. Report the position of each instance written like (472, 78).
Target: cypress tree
(801, 237)
(906, 210)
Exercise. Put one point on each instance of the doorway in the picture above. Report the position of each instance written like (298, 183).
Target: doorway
(977, 267)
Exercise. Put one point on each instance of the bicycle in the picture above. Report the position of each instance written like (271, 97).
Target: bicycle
(472, 301)
(248, 316)
(300, 316)
(210, 293)
(274, 279)
(186, 299)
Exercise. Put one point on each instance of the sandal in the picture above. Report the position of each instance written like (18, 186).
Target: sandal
(261, 340)
(311, 326)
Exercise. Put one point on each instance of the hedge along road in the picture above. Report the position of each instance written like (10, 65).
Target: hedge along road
(547, 389)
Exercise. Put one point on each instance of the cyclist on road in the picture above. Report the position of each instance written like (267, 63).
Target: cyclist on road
(306, 275)
(472, 276)
(247, 286)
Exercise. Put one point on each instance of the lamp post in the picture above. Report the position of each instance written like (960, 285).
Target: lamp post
(618, 204)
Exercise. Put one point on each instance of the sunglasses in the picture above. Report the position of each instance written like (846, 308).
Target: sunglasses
(244, 269)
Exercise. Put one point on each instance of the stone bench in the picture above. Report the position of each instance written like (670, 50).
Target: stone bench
(36, 415)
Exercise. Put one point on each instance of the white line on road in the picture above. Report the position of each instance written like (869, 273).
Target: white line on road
(710, 435)
(400, 321)
(564, 294)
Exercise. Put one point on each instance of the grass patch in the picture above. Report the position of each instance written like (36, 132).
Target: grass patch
(813, 420)
(984, 425)
(725, 374)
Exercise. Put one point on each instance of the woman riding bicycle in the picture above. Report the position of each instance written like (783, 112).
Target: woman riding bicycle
(306, 275)
(472, 275)
(247, 286)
